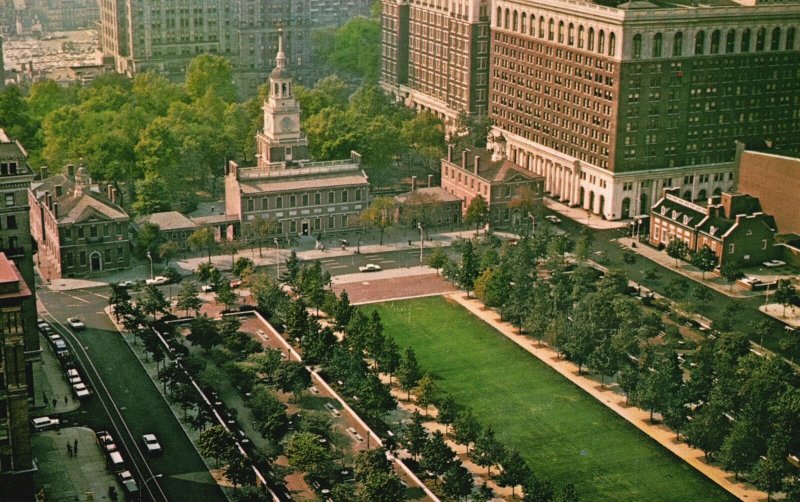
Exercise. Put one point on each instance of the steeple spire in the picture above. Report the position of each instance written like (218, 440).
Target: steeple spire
(280, 59)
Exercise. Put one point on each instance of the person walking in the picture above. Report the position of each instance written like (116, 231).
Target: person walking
(69, 449)
(75, 447)
(66, 400)
(55, 402)
(44, 398)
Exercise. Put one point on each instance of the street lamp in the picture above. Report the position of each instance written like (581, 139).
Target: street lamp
(419, 226)
(277, 257)
(144, 485)
(533, 222)
(150, 257)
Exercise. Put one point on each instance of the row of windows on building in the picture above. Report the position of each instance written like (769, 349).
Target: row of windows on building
(295, 226)
(305, 200)
(713, 44)
(109, 254)
(93, 231)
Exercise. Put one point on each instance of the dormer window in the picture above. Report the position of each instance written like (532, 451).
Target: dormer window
(685, 219)
(674, 214)
(712, 230)
(663, 210)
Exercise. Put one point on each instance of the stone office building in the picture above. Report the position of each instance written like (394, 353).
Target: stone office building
(78, 230)
(302, 197)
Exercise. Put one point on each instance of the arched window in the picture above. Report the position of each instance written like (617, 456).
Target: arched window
(508, 19)
(745, 47)
(636, 48)
(551, 29)
(790, 39)
(590, 42)
(775, 44)
(515, 22)
(601, 42)
(533, 26)
(730, 42)
(761, 38)
(275, 92)
(499, 17)
(700, 42)
(658, 45)
(541, 27)
(677, 44)
(715, 36)
(571, 34)
(522, 23)
(580, 37)
(612, 44)
(561, 32)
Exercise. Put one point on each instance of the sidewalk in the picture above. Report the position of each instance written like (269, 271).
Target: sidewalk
(615, 402)
(583, 217)
(65, 478)
(776, 311)
(51, 383)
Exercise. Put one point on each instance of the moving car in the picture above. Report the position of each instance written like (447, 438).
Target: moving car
(774, 263)
(151, 443)
(369, 267)
(75, 323)
(157, 280)
(44, 423)
(555, 220)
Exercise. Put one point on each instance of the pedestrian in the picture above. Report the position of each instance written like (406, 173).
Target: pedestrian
(55, 402)
(44, 398)
(69, 449)
(75, 447)
(66, 400)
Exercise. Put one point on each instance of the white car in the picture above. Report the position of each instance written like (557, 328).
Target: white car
(207, 288)
(555, 220)
(369, 267)
(774, 263)
(157, 281)
(151, 443)
(76, 323)
(128, 284)
(44, 423)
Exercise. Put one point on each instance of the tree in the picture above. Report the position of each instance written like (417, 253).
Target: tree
(216, 442)
(226, 296)
(242, 266)
(606, 358)
(458, 481)
(269, 412)
(210, 73)
(380, 214)
(739, 451)
(770, 471)
(731, 270)
(488, 450)
(437, 457)
(677, 248)
(426, 391)
(148, 239)
(297, 320)
(448, 410)
(538, 489)
(306, 453)
(356, 48)
(152, 195)
(202, 239)
(466, 428)
(515, 470)
(409, 373)
(240, 471)
(188, 298)
(383, 486)
(785, 294)
(292, 269)
(260, 229)
(583, 244)
(415, 435)
(436, 259)
(120, 299)
(628, 380)
(469, 269)
(168, 250)
(152, 301)
(477, 213)
(203, 332)
(566, 493)
(704, 259)
(292, 376)
(702, 294)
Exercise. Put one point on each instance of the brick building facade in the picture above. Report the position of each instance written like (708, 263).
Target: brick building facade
(773, 176)
(78, 231)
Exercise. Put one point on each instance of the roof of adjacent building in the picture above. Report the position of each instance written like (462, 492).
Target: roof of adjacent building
(419, 195)
(75, 209)
(12, 285)
(676, 209)
(169, 220)
(493, 171)
(263, 185)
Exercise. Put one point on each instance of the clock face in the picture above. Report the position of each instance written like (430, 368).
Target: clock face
(287, 124)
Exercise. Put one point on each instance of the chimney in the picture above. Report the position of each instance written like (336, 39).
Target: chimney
(477, 163)
(430, 180)
(114, 195)
(464, 159)
(59, 190)
(71, 170)
(413, 183)
(47, 201)
(108, 191)
(43, 172)
(55, 210)
(450, 149)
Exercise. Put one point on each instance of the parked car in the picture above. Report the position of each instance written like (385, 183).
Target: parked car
(127, 284)
(369, 267)
(75, 323)
(106, 441)
(44, 423)
(774, 263)
(157, 280)
(151, 443)
(555, 220)
(207, 288)
(235, 283)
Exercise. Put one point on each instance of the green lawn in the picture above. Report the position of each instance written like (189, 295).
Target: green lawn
(561, 432)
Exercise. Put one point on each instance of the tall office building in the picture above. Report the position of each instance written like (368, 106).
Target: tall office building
(165, 36)
(612, 105)
(435, 55)
(15, 237)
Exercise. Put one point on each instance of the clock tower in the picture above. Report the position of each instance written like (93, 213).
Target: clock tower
(281, 140)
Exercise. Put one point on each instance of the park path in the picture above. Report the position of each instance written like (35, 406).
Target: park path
(613, 401)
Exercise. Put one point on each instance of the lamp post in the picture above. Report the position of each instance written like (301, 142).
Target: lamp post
(533, 222)
(150, 257)
(277, 257)
(419, 226)
(144, 485)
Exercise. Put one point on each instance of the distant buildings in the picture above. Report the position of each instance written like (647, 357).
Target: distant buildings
(430, 206)
(173, 226)
(16, 458)
(302, 197)
(612, 105)
(77, 230)
(773, 176)
(503, 184)
(733, 226)
(165, 36)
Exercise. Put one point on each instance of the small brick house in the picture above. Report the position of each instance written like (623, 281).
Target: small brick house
(732, 225)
